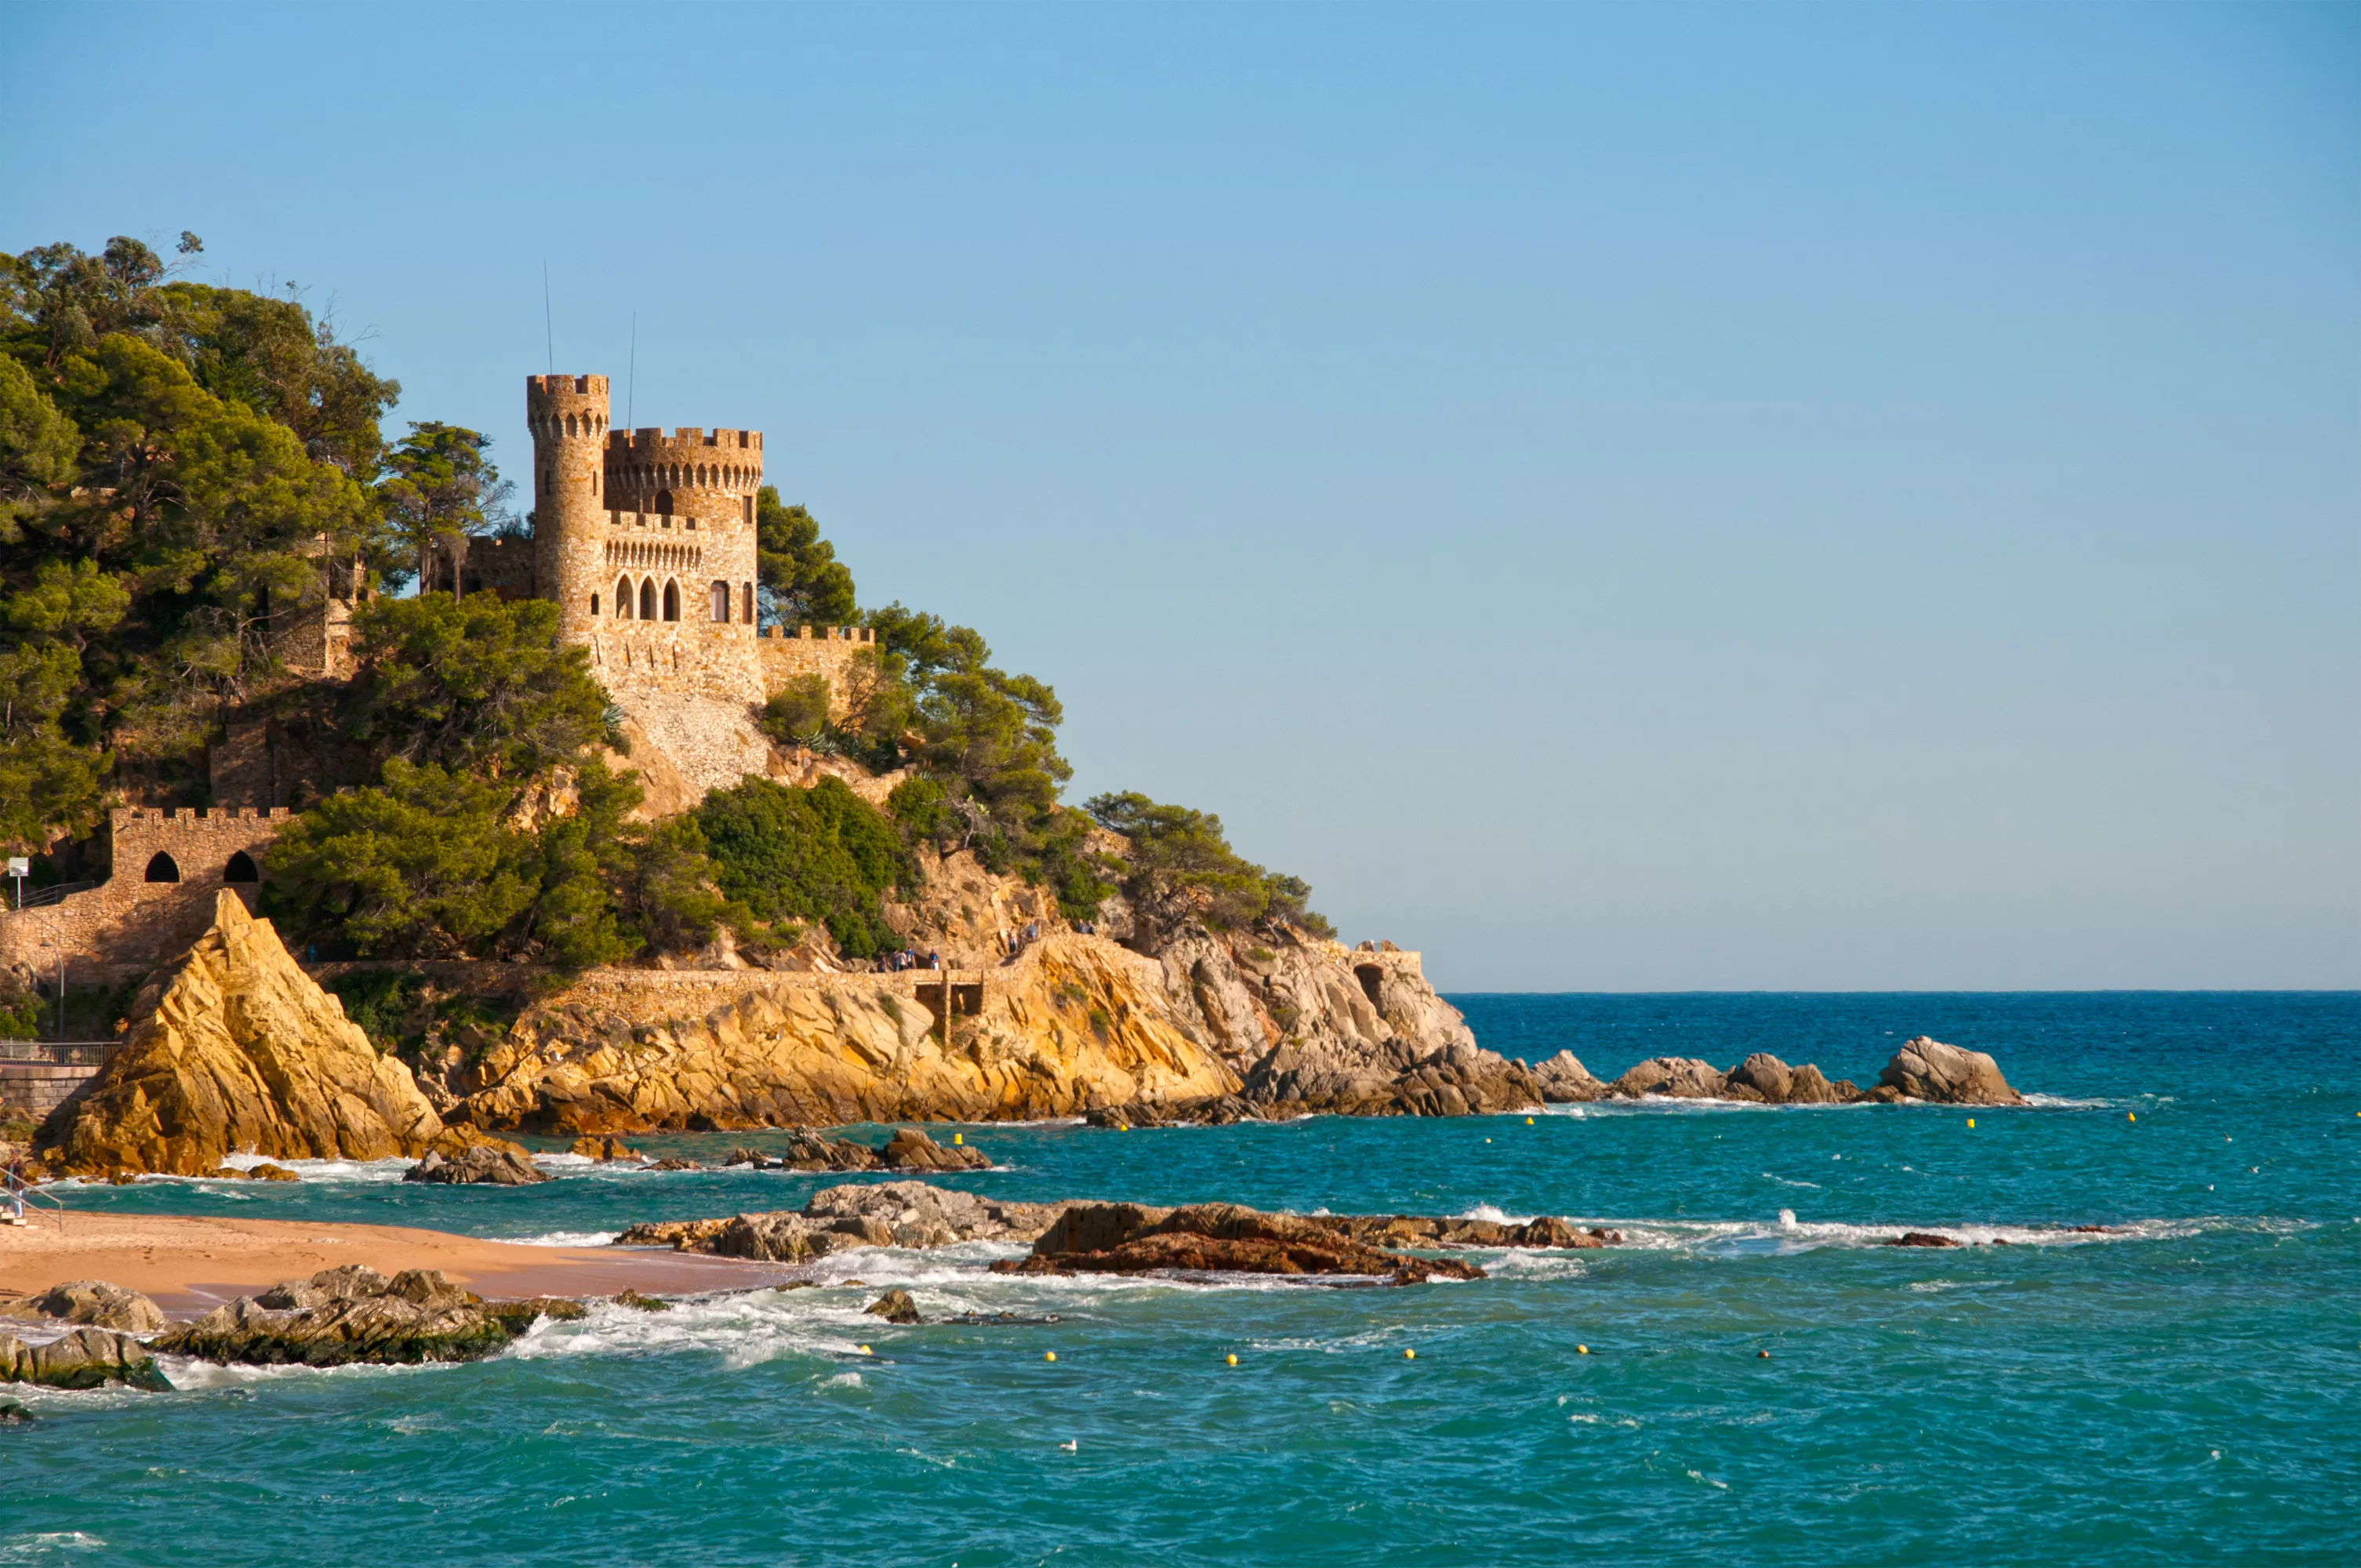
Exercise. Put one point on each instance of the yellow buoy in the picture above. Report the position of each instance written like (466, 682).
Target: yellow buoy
(1488, 1140)
(1972, 1121)
(863, 1349)
(1529, 1121)
(1233, 1360)
(2130, 1116)
(1581, 1350)
(959, 1137)
(1049, 1356)
(1410, 1356)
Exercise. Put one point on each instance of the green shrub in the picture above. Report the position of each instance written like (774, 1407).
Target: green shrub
(821, 854)
(799, 715)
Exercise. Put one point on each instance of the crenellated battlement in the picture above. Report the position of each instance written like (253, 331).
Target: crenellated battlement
(562, 387)
(825, 633)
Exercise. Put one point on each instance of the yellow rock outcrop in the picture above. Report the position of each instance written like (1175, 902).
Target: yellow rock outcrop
(234, 1051)
(1080, 1022)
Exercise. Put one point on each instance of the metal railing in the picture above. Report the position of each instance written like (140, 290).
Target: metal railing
(15, 1192)
(60, 1053)
(40, 898)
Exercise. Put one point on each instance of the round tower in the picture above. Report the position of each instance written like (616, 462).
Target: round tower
(684, 504)
(569, 418)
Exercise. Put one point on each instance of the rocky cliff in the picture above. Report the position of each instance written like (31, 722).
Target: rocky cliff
(1080, 1022)
(234, 1049)
(1274, 1024)
(1312, 1026)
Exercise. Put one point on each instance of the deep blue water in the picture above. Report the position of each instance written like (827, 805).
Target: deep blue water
(2185, 1388)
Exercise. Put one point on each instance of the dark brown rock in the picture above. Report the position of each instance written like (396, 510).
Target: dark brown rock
(895, 1307)
(1920, 1238)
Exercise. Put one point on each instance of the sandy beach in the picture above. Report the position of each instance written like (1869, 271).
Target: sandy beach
(188, 1265)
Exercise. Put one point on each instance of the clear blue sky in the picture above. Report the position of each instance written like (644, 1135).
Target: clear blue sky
(1619, 497)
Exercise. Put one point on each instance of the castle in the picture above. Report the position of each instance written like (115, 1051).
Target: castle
(646, 543)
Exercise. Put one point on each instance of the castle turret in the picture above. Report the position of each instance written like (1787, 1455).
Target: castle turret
(569, 418)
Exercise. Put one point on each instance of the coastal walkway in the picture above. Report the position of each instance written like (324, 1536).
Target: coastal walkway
(38, 1076)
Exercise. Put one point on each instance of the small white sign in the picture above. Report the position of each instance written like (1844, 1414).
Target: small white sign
(18, 865)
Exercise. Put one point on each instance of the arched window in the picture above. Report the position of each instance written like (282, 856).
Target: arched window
(240, 869)
(569, 426)
(163, 868)
(749, 616)
(648, 599)
(721, 601)
(622, 599)
(672, 600)
(663, 502)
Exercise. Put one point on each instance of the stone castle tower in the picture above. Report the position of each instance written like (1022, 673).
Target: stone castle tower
(645, 541)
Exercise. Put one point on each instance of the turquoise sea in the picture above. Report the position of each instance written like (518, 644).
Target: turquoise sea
(2184, 1387)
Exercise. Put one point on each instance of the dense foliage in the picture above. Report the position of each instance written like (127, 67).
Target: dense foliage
(1179, 865)
(493, 828)
(803, 583)
(821, 854)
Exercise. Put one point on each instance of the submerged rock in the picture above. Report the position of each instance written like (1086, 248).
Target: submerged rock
(87, 1358)
(234, 1048)
(1929, 1069)
(1920, 1238)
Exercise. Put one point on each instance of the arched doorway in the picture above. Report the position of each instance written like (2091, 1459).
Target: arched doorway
(241, 868)
(163, 868)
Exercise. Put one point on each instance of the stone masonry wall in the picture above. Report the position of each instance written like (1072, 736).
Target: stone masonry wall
(127, 925)
(829, 654)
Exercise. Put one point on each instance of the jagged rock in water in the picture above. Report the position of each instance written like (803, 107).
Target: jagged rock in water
(1678, 1077)
(910, 1149)
(1566, 1082)
(809, 1151)
(346, 1315)
(235, 1049)
(1806, 1086)
(895, 1307)
(93, 1303)
(604, 1150)
(1318, 1028)
(1763, 1073)
(1920, 1238)
(1929, 1069)
(87, 1358)
(492, 1167)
